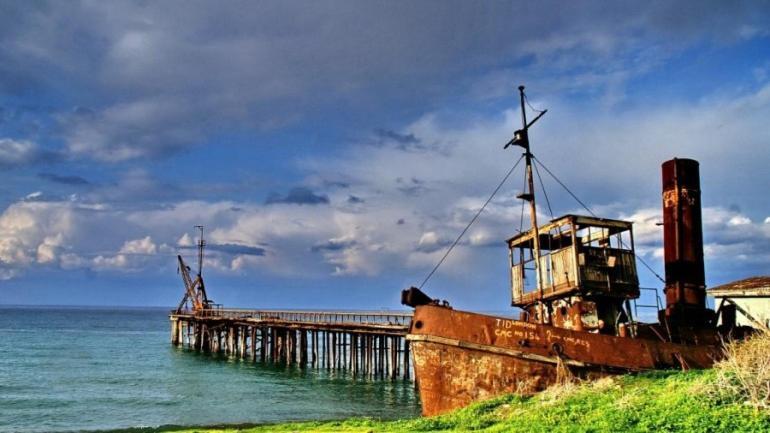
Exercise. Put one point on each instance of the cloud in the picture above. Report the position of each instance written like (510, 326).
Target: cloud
(142, 128)
(64, 179)
(298, 195)
(411, 186)
(406, 141)
(185, 241)
(612, 163)
(144, 245)
(49, 249)
(161, 79)
(14, 153)
(430, 242)
(236, 249)
(334, 245)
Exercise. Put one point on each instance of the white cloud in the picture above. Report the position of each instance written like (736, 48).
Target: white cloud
(17, 152)
(32, 231)
(47, 251)
(144, 245)
(117, 262)
(185, 241)
(739, 220)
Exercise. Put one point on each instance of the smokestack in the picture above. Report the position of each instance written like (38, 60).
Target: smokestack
(683, 243)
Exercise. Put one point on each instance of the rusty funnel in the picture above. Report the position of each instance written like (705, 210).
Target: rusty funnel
(683, 244)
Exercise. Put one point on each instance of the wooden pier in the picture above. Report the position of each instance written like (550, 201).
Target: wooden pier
(365, 344)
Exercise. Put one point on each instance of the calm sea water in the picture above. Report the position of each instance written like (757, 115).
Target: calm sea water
(71, 369)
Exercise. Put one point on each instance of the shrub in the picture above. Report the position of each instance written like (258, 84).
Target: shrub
(744, 373)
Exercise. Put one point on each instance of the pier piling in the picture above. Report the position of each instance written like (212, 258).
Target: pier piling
(366, 345)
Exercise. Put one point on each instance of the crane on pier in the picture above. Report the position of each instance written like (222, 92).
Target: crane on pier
(195, 297)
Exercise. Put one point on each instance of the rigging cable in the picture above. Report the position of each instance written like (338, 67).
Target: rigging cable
(564, 186)
(545, 194)
(526, 99)
(451, 247)
(521, 218)
(649, 268)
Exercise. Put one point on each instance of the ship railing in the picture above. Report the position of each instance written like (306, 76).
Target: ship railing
(657, 306)
(315, 317)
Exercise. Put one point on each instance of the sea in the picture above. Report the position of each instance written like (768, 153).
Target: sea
(66, 369)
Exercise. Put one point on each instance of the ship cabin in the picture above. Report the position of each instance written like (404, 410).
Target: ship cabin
(579, 255)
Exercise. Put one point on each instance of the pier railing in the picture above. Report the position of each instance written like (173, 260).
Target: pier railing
(320, 317)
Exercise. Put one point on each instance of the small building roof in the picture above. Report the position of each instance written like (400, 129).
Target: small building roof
(748, 287)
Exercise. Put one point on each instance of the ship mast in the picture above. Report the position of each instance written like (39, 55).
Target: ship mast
(521, 138)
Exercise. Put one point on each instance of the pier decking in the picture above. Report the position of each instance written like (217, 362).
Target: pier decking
(366, 344)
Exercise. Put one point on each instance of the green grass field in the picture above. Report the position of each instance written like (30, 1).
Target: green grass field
(650, 402)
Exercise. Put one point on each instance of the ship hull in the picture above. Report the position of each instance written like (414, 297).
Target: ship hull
(462, 357)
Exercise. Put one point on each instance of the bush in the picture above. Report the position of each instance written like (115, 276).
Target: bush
(744, 373)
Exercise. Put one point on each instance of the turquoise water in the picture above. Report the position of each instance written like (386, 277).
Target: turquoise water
(70, 369)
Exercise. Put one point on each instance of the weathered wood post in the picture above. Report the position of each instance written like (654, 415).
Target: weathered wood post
(242, 349)
(273, 343)
(406, 359)
(334, 350)
(174, 331)
(263, 346)
(230, 340)
(303, 347)
(180, 328)
(253, 344)
(204, 338)
(315, 348)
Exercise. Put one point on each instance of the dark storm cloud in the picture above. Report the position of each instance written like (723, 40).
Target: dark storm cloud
(65, 180)
(333, 245)
(336, 184)
(236, 249)
(232, 249)
(403, 141)
(352, 199)
(299, 195)
(411, 187)
(164, 76)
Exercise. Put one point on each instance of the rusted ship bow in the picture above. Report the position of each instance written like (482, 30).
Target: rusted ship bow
(573, 280)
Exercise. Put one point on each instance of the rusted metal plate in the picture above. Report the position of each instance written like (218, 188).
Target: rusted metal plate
(471, 375)
(461, 356)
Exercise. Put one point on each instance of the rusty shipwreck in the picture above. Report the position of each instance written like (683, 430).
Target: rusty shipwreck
(573, 279)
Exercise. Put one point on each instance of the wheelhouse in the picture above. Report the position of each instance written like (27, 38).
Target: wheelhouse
(579, 255)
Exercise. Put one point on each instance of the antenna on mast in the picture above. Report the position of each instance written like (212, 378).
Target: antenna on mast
(521, 139)
(201, 245)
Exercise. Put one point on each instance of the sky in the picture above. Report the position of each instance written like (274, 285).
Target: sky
(334, 150)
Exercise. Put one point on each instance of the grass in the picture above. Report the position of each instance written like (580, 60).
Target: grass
(650, 402)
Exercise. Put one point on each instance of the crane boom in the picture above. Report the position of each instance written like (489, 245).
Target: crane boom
(194, 290)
